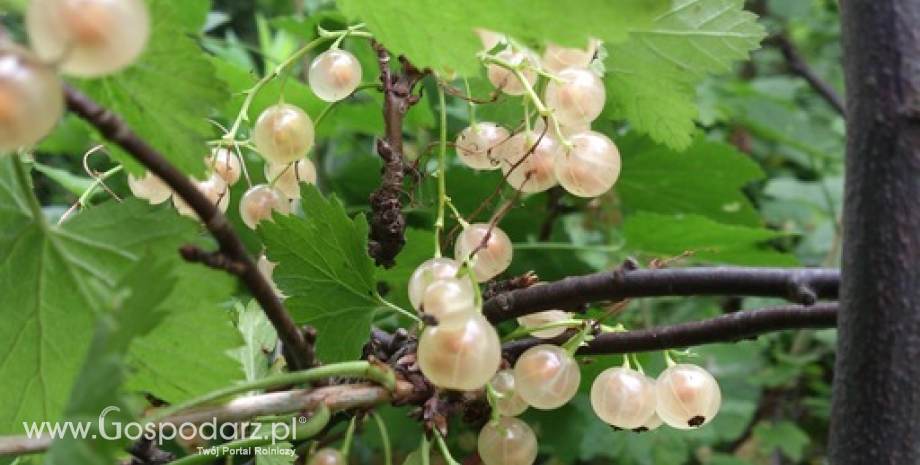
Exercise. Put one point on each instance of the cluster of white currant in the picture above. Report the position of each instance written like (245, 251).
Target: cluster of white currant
(283, 135)
(87, 38)
(586, 163)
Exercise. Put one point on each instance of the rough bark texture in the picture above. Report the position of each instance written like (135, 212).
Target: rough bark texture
(876, 405)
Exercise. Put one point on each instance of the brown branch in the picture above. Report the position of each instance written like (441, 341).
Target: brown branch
(388, 222)
(802, 285)
(798, 66)
(298, 353)
(725, 328)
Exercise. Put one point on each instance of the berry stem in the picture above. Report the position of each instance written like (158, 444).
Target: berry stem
(398, 309)
(251, 93)
(445, 451)
(442, 173)
(359, 369)
(349, 436)
(384, 438)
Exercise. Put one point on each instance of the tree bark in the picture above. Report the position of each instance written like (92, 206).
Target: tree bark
(876, 405)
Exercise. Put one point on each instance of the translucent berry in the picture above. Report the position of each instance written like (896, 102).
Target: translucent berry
(505, 80)
(226, 164)
(508, 441)
(327, 456)
(462, 359)
(31, 98)
(334, 75)
(623, 397)
(428, 272)
(528, 161)
(541, 318)
(88, 38)
(259, 202)
(490, 260)
(451, 301)
(578, 98)
(546, 377)
(214, 188)
(149, 187)
(511, 404)
(478, 146)
(591, 167)
(287, 178)
(557, 58)
(283, 134)
(688, 396)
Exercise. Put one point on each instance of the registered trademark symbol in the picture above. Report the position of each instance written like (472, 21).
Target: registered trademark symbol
(303, 419)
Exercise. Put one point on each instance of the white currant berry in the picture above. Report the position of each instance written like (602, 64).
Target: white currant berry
(287, 178)
(479, 146)
(214, 188)
(334, 75)
(542, 318)
(623, 397)
(688, 396)
(557, 58)
(258, 203)
(327, 456)
(88, 38)
(451, 301)
(283, 134)
(149, 187)
(590, 167)
(226, 164)
(539, 125)
(528, 161)
(428, 272)
(31, 98)
(508, 441)
(505, 80)
(492, 259)
(546, 377)
(510, 404)
(578, 99)
(462, 359)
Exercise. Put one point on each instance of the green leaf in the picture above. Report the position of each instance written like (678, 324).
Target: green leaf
(442, 34)
(784, 436)
(76, 185)
(705, 180)
(669, 236)
(133, 311)
(652, 77)
(191, 352)
(167, 94)
(61, 274)
(259, 337)
(324, 269)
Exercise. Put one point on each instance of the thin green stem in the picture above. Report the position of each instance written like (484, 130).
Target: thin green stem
(442, 174)
(251, 93)
(398, 309)
(579, 339)
(445, 451)
(493, 397)
(314, 425)
(384, 438)
(358, 369)
(470, 105)
(349, 436)
(425, 451)
(84, 198)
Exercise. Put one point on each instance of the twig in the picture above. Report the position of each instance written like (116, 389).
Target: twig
(388, 222)
(800, 67)
(724, 328)
(298, 353)
(802, 285)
